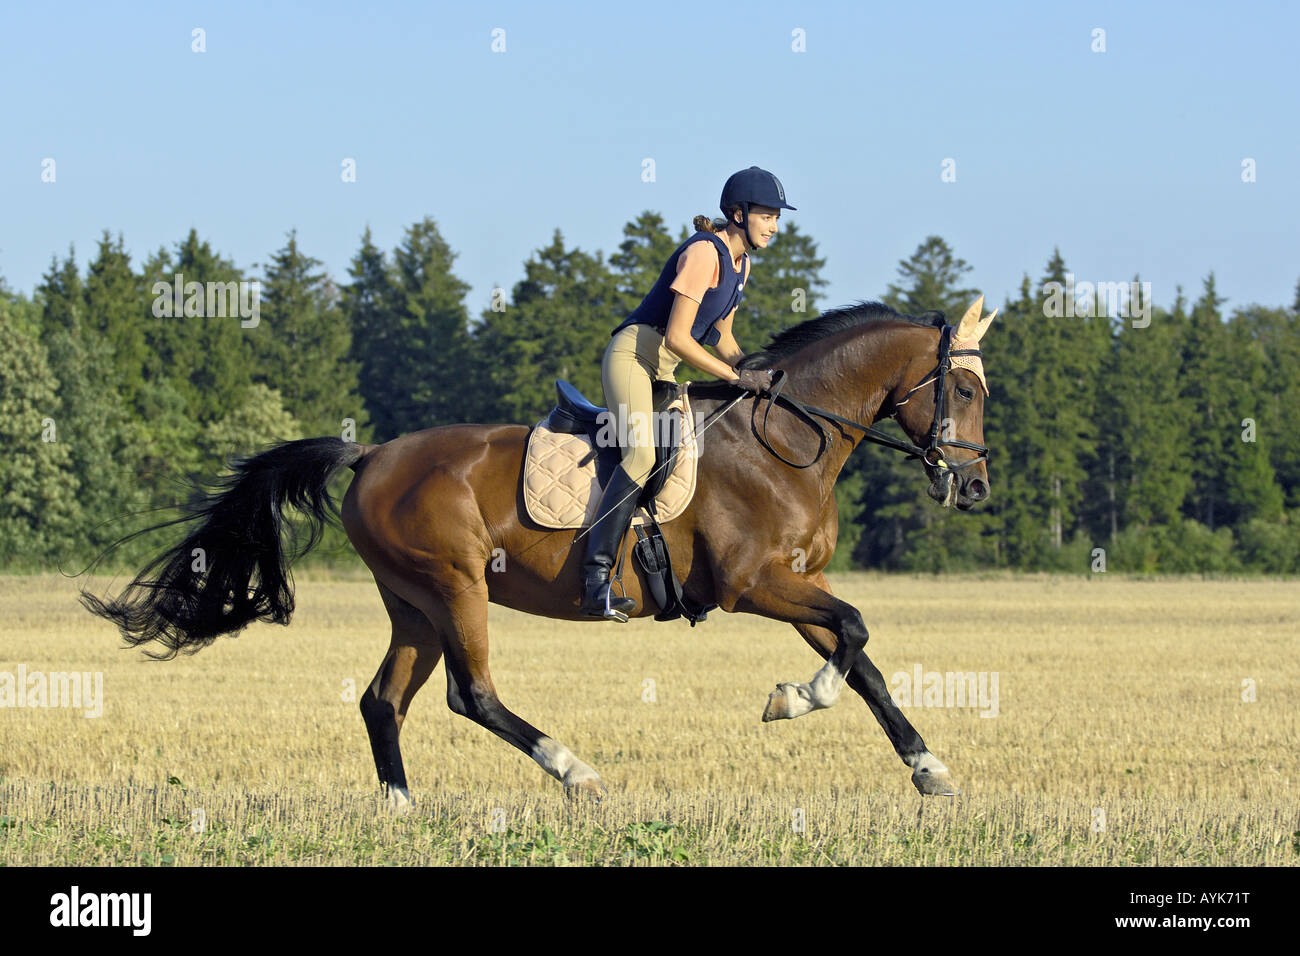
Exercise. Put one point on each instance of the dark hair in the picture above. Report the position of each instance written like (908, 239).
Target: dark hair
(710, 224)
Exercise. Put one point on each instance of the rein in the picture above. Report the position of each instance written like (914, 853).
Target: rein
(931, 454)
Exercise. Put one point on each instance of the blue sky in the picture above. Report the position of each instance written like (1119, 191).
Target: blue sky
(1128, 160)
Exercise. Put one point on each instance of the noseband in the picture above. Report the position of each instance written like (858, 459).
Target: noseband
(931, 454)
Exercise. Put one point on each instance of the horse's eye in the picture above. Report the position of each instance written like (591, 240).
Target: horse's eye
(965, 393)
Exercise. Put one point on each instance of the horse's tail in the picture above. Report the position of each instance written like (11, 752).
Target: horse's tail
(233, 568)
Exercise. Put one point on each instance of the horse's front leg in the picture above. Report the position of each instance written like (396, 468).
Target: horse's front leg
(836, 630)
(785, 595)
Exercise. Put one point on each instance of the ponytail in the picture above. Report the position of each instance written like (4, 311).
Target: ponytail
(705, 224)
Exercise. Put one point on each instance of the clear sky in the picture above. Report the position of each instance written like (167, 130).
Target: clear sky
(1129, 160)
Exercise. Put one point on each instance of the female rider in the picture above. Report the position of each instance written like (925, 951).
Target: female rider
(691, 305)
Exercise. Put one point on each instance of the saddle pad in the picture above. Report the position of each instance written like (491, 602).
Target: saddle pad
(560, 494)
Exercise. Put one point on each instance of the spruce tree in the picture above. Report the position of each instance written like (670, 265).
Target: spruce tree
(425, 330)
(117, 309)
(556, 325)
(1205, 384)
(93, 418)
(367, 304)
(303, 341)
(206, 357)
(1144, 440)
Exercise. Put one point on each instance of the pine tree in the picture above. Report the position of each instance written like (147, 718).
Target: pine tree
(1068, 357)
(1276, 395)
(169, 445)
(423, 326)
(931, 280)
(1206, 373)
(556, 325)
(116, 308)
(368, 310)
(1144, 437)
(302, 343)
(94, 421)
(1251, 487)
(207, 357)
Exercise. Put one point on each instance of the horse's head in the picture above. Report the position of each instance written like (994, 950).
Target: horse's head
(941, 408)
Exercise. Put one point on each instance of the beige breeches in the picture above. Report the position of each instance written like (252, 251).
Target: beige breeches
(635, 357)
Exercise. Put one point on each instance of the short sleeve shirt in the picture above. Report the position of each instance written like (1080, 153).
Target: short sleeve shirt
(697, 270)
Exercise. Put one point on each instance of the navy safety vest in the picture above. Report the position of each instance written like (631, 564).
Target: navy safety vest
(715, 306)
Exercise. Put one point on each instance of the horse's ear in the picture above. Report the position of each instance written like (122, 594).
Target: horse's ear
(966, 328)
(984, 325)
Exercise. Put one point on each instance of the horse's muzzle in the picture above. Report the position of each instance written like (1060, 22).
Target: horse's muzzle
(950, 490)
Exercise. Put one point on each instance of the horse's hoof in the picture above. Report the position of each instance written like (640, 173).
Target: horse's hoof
(781, 704)
(934, 783)
(589, 790)
(399, 800)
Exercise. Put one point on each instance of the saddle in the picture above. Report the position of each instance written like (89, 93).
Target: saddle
(567, 464)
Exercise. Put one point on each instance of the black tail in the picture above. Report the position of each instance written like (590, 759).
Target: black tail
(234, 567)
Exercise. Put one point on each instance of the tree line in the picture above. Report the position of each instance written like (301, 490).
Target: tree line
(1154, 445)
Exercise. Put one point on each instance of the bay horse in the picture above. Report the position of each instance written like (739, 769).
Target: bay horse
(429, 511)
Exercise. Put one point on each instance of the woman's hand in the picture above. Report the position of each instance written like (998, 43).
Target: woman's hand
(755, 380)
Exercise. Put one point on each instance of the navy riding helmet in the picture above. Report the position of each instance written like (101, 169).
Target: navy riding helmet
(756, 187)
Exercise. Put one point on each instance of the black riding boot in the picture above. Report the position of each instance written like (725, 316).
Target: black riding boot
(619, 499)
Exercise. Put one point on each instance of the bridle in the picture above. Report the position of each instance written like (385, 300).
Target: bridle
(931, 454)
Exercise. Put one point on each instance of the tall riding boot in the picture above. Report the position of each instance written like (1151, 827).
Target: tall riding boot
(617, 504)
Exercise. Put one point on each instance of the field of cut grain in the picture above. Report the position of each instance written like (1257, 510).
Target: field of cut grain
(1134, 722)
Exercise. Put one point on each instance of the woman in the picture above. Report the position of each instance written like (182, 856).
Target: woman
(691, 305)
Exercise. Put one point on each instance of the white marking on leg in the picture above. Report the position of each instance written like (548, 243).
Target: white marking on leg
(825, 686)
(557, 760)
(925, 762)
(399, 798)
(821, 692)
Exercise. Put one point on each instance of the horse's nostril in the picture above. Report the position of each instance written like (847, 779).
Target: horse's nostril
(978, 490)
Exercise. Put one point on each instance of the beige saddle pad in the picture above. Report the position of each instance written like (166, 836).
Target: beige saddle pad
(560, 494)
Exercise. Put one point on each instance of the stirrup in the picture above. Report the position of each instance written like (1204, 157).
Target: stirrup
(608, 612)
(613, 613)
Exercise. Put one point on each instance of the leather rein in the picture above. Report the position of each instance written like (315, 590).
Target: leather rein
(931, 454)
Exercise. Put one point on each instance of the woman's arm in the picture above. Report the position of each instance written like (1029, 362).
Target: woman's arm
(727, 346)
(679, 341)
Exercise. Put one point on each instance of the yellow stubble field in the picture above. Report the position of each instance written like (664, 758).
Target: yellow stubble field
(1124, 721)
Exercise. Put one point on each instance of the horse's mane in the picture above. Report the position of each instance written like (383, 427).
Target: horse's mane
(798, 337)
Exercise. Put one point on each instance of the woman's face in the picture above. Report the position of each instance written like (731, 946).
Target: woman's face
(762, 224)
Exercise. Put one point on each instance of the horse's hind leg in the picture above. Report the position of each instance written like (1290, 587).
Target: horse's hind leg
(412, 655)
(462, 617)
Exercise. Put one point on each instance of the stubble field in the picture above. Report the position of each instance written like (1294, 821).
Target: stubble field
(1136, 722)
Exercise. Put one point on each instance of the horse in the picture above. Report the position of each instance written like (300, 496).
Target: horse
(429, 511)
